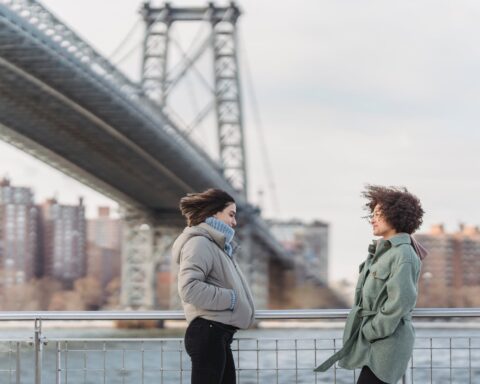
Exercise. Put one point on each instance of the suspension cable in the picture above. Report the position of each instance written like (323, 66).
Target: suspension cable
(259, 128)
(125, 40)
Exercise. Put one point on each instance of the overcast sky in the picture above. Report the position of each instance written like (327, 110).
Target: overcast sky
(349, 93)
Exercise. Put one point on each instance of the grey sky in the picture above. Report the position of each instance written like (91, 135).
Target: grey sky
(350, 92)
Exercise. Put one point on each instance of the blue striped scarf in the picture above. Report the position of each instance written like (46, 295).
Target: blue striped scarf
(225, 229)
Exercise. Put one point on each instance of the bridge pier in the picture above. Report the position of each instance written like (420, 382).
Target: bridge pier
(146, 255)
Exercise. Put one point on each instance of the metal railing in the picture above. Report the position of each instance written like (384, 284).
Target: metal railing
(287, 359)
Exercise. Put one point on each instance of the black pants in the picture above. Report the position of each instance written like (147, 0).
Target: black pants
(368, 377)
(208, 345)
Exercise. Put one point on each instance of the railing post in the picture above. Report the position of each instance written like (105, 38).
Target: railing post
(38, 346)
(17, 368)
(59, 363)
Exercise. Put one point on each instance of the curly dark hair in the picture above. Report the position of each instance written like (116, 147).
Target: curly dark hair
(401, 209)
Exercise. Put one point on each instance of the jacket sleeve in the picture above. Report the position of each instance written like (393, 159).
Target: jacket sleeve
(402, 295)
(195, 266)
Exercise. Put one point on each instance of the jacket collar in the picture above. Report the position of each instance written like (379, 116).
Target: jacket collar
(400, 238)
(217, 236)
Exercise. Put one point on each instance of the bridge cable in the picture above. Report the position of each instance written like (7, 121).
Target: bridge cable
(195, 40)
(259, 127)
(189, 60)
(127, 55)
(188, 81)
(125, 39)
(200, 114)
(192, 65)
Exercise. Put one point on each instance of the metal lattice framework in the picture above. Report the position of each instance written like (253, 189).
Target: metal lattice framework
(155, 49)
(157, 82)
(137, 271)
(146, 250)
(228, 101)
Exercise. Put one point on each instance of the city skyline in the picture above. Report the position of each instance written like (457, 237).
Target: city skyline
(52, 257)
(349, 94)
(40, 240)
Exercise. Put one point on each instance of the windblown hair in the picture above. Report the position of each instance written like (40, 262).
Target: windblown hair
(401, 209)
(196, 207)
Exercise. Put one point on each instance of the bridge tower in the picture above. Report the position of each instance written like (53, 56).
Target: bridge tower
(158, 82)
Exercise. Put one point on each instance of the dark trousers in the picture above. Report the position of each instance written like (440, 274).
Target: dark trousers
(368, 377)
(208, 345)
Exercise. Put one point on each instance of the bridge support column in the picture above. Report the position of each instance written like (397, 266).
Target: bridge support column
(146, 254)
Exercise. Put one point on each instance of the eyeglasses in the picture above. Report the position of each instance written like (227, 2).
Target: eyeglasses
(374, 215)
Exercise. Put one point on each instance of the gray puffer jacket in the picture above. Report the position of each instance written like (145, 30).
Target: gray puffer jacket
(206, 277)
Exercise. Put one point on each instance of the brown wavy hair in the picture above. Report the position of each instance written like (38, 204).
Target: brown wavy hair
(196, 207)
(400, 208)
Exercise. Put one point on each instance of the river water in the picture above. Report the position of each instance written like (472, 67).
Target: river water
(443, 354)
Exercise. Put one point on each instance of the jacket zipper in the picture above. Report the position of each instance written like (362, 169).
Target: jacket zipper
(249, 299)
(252, 306)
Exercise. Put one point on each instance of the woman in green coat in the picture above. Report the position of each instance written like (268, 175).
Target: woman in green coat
(378, 335)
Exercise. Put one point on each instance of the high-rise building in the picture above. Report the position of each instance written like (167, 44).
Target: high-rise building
(104, 235)
(64, 240)
(307, 244)
(451, 268)
(18, 234)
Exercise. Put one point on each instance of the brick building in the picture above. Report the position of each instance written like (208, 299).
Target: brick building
(451, 272)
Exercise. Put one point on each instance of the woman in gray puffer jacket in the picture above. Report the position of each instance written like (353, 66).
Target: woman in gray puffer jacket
(214, 293)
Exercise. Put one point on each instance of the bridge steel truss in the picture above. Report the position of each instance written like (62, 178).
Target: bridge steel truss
(227, 93)
(65, 104)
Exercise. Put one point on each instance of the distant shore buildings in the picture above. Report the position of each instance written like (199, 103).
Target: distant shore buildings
(307, 243)
(19, 248)
(63, 245)
(450, 275)
(55, 240)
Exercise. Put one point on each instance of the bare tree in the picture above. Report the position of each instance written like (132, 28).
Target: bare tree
(89, 290)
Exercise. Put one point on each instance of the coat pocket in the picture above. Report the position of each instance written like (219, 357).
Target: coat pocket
(376, 281)
(380, 273)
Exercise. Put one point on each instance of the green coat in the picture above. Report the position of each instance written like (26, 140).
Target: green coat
(379, 332)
